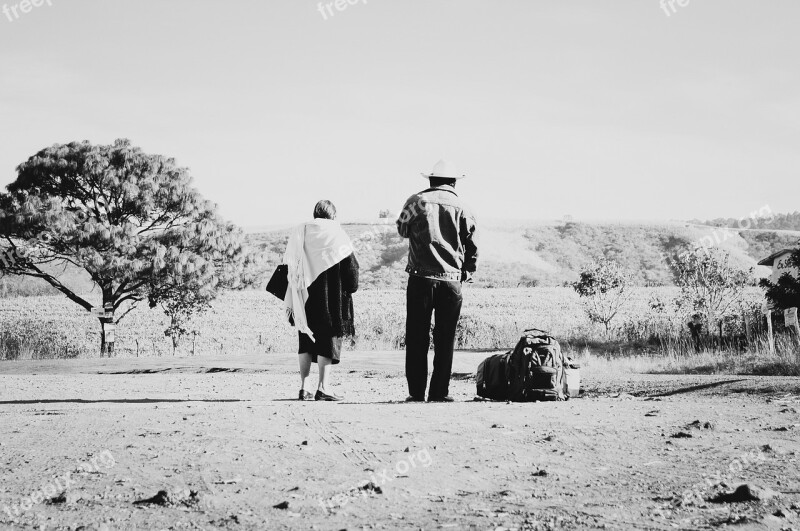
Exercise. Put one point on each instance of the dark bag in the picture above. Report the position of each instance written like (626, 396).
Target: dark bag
(279, 282)
(492, 377)
(533, 371)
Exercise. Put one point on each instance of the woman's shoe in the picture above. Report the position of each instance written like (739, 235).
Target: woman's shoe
(441, 399)
(414, 399)
(305, 395)
(326, 397)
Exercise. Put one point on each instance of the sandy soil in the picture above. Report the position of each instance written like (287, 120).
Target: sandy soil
(219, 443)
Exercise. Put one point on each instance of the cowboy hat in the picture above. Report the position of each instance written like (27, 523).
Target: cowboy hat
(445, 170)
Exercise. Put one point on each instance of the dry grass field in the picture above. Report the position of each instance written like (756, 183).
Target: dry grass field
(253, 321)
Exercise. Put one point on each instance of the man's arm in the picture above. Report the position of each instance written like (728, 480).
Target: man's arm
(469, 238)
(406, 215)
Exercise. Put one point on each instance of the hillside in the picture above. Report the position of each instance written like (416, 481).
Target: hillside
(521, 254)
(761, 219)
(551, 254)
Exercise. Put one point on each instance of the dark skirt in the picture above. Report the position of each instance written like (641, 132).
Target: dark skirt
(325, 346)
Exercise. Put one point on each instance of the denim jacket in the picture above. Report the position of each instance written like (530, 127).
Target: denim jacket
(442, 235)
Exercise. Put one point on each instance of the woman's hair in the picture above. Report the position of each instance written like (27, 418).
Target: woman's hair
(325, 210)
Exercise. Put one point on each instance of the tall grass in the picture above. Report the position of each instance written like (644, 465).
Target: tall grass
(679, 357)
(643, 339)
(33, 340)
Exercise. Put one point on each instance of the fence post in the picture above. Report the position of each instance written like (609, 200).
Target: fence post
(770, 337)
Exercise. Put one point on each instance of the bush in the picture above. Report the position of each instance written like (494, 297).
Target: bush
(35, 340)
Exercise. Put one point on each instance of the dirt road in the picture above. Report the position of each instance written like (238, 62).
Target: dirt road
(218, 443)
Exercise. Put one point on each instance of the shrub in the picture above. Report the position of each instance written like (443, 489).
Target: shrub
(35, 340)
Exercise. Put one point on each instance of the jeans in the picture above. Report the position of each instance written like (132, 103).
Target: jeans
(424, 297)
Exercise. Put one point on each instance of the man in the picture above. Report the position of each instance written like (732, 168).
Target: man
(442, 254)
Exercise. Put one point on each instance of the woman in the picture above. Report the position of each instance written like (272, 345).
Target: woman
(323, 275)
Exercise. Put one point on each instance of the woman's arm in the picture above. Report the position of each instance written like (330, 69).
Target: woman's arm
(349, 272)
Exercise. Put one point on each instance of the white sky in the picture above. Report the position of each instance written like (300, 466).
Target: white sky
(602, 110)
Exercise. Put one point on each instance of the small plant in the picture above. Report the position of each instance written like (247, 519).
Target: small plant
(180, 306)
(710, 285)
(605, 288)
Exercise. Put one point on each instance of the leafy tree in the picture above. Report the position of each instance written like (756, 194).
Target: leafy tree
(132, 221)
(181, 302)
(785, 293)
(605, 288)
(709, 284)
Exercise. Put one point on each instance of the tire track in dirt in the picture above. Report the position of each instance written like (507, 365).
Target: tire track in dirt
(565, 452)
(633, 460)
(619, 522)
(327, 432)
(575, 443)
(626, 468)
(332, 436)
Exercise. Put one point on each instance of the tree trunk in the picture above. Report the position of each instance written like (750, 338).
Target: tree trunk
(102, 337)
(107, 336)
(107, 327)
(174, 335)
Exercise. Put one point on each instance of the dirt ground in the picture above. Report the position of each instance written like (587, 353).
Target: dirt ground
(221, 443)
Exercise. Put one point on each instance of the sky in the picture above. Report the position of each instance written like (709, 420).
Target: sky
(623, 110)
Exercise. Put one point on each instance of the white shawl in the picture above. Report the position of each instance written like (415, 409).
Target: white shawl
(312, 249)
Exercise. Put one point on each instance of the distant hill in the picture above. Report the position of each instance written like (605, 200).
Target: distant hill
(520, 254)
(541, 254)
(762, 219)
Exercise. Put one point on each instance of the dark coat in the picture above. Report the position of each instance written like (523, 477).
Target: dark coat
(329, 308)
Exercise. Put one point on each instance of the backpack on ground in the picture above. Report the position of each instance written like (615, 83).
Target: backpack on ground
(533, 371)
